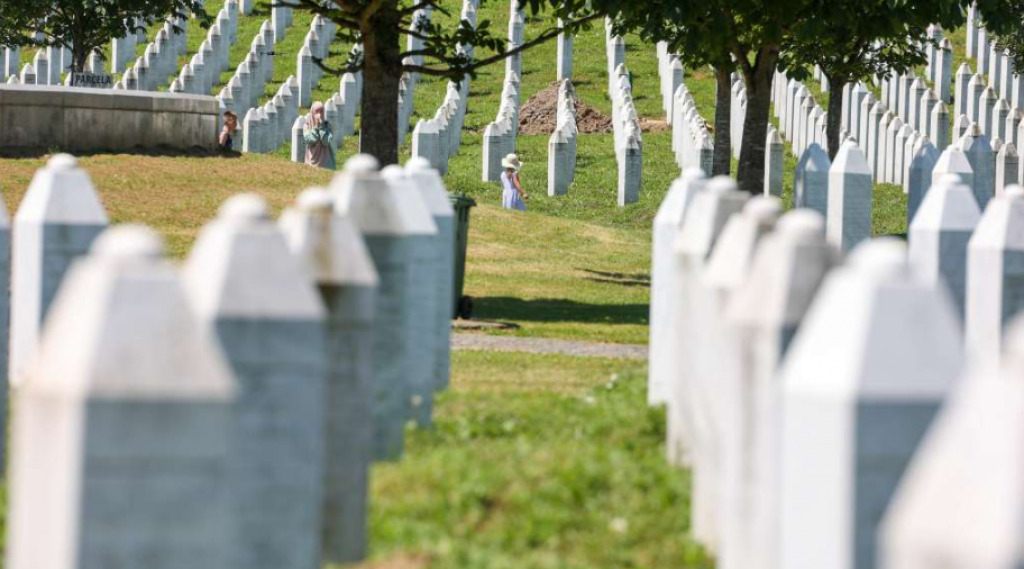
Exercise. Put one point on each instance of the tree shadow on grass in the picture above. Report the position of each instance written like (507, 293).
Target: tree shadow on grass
(558, 310)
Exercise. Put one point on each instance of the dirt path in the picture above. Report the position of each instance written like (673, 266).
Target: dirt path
(482, 342)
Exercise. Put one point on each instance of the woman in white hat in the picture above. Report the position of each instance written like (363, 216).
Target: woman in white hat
(512, 194)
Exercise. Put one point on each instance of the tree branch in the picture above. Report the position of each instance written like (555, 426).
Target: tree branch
(317, 8)
(460, 71)
(423, 4)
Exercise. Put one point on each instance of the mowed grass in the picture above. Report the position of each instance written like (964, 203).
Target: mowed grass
(555, 277)
(558, 465)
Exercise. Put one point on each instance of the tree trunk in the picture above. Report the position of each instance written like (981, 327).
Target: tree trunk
(79, 59)
(382, 71)
(755, 126)
(721, 160)
(835, 114)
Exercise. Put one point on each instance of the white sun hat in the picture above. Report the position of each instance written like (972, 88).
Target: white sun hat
(511, 161)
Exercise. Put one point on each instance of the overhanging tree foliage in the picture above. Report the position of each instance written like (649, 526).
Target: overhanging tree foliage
(1004, 23)
(752, 32)
(381, 26)
(689, 32)
(853, 40)
(85, 25)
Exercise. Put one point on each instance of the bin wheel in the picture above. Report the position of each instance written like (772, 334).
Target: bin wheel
(466, 308)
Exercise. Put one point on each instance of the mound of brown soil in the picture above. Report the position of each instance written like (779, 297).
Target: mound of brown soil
(539, 115)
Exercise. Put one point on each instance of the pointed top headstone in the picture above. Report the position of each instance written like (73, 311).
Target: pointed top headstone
(61, 192)
(240, 266)
(328, 244)
(126, 299)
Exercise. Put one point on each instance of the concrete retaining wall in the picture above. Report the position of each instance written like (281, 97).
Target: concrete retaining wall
(34, 116)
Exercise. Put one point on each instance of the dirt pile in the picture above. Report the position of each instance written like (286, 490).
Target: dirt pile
(539, 115)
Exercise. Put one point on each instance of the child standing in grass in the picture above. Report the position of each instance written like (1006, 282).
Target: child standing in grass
(512, 193)
(319, 138)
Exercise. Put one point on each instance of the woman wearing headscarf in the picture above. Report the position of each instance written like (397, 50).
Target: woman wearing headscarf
(512, 193)
(319, 138)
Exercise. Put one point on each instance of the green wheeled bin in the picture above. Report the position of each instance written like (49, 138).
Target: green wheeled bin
(462, 306)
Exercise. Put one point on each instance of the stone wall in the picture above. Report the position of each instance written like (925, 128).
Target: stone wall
(33, 116)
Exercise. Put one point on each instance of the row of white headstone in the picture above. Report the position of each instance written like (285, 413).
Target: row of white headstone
(224, 415)
(438, 139)
(203, 70)
(10, 65)
(266, 127)
(890, 146)
(994, 63)
(414, 43)
(980, 103)
(670, 75)
(563, 144)
(40, 71)
(627, 135)
(802, 121)
(123, 49)
(692, 144)
(160, 57)
(800, 387)
(738, 113)
(152, 67)
(500, 135)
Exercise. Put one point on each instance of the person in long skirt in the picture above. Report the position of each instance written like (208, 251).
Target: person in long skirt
(512, 194)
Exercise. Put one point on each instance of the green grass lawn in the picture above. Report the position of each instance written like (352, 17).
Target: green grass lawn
(558, 465)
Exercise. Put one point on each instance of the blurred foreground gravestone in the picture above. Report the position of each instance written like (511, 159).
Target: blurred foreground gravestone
(122, 437)
(260, 304)
(865, 375)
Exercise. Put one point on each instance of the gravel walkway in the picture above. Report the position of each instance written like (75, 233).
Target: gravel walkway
(482, 342)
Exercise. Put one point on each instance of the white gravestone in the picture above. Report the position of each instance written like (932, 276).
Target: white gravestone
(849, 198)
(425, 274)
(919, 176)
(954, 161)
(335, 258)
(394, 230)
(56, 222)
(774, 160)
(257, 300)
(862, 381)
(938, 132)
(939, 234)
(788, 268)
(1007, 167)
(995, 273)
(810, 181)
(978, 149)
(703, 223)
(667, 223)
(969, 463)
(711, 365)
(431, 187)
(122, 436)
